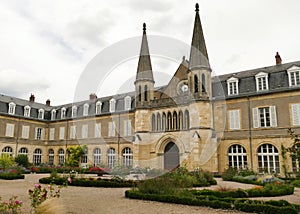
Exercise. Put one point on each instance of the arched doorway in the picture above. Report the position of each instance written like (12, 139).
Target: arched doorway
(171, 156)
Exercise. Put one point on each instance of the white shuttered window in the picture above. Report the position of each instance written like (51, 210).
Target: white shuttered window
(296, 114)
(264, 117)
(234, 119)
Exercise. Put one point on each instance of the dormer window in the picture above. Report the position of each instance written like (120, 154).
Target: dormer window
(53, 114)
(112, 105)
(262, 83)
(127, 103)
(86, 109)
(294, 76)
(11, 108)
(41, 114)
(74, 111)
(27, 111)
(98, 107)
(63, 113)
(233, 86)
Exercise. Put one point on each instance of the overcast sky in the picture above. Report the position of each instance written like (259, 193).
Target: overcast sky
(46, 45)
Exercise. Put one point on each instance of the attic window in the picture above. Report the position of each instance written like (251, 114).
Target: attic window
(53, 114)
(41, 114)
(127, 101)
(294, 76)
(27, 111)
(232, 86)
(63, 113)
(85, 109)
(11, 108)
(112, 105)
(74, 111)
(98, 107)
(262, 83)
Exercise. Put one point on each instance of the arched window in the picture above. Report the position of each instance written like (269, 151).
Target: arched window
(127, 157)
(97, 156)
(74, 111)
(237, 156)
(140, 93)
(163, 122)
(63, 113)
(11, 108)
(146, 92)
(268, 159)
(53, 114)
(153, 123)
(203, 83)
(169, 122)
(98, 107)
(196, 84)
(111, 157)
(158, 127)
(175, 122)
(180, 122)
(41, 114)
(86, 109)
(23, 151)
(27, 111)
(186, 120)
(61, 157)
(37, 156)
(7, 150)
(51, 156)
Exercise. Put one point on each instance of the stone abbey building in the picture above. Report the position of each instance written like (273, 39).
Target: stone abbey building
(238, 119)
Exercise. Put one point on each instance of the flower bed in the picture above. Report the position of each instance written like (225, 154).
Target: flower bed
(11, 176)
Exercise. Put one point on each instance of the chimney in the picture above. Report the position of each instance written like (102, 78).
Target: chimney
(278, 59)
(31, 98)
(93, 96)
(48, 102)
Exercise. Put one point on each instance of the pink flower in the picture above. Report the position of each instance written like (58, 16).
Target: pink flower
(69, 180)
(18, 202)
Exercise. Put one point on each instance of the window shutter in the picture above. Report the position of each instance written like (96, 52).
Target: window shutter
(255, 117)
(43, 134)
(237, 119)
(35, 133)
(273, 116)
(231, 119)
(296, 114)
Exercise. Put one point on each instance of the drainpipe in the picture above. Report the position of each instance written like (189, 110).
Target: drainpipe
(67, 134)
(250, 133)
(17, 139)
(119, 138)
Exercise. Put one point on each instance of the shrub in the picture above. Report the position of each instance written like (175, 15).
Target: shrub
(22, 160)
(6, 161)
(11, 176)
(229, 173)
(296, 183)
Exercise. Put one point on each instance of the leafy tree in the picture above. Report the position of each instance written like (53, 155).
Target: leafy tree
(75, 153)
(22, 160)
(6, 161)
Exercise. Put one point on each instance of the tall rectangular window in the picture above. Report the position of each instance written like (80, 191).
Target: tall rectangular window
(84, 133)
(51, 133)
(98, 130)
(232, 85)
(264, 117)
(73, 132)
(9, 130)
(62, 133)
(112, 105)
(296, 114)
(234, 119)
(127, 127)
(294, 76)
(111, 130)
(11, 108)
(25, 132)
(39, 133)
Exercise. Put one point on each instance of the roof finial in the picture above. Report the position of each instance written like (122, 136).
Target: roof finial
(197, 7)
(144, 27)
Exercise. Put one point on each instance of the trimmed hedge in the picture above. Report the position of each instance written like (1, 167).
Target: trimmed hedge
(266, 191)
(86, 182)
(11, 176)
(245, 205)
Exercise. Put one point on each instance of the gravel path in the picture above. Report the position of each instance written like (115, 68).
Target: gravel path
(110, 200)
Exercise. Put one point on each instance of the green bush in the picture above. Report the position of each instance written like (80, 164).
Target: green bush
(11, 176)
(296, 183)
(22, 160)
(229, 173)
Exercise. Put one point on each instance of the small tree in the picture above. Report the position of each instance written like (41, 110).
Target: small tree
(294, 149)
(22, 160)
(6, 161)
(75, 153)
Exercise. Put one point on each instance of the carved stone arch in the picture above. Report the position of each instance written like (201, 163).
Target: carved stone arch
(164, 140)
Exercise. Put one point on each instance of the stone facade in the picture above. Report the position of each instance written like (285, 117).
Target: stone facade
(238, 120)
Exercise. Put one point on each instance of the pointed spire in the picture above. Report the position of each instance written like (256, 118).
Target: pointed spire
(144, 70)
(198, 54)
